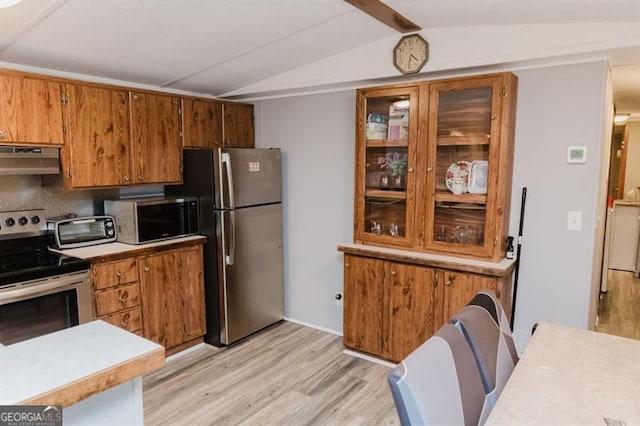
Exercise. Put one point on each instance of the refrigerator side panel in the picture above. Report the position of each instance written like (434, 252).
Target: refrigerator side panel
(254, 285)
(256, 175)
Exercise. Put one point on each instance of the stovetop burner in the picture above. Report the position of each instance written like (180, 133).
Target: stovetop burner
(24, 254)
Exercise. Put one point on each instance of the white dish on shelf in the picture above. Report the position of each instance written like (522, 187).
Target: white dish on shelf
(478, 172)
(457, 177)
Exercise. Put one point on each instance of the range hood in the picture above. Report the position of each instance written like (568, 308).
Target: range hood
(29, 160)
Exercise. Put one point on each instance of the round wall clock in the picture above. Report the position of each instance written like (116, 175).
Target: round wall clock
(410, 54)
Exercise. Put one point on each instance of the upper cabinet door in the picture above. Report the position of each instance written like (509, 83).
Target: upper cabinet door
(97, 151)
(30, 111)
(202, 123)
(386, 137)
(469, 165)
(238, 129)
(155, 138)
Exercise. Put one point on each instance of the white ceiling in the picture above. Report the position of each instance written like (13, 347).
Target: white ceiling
(219, 46)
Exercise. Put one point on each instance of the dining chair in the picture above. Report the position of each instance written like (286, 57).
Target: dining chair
(485, 327)
(439, 383)
(488, 300)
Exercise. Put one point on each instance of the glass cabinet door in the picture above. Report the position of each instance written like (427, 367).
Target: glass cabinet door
(462, 165)
(387, 131)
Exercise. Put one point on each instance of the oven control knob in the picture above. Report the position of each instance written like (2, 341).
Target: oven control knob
(35, 220)
(108, 224)
(23, 221)
(10, 222)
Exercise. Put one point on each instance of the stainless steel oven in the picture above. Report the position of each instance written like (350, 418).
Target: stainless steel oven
(40, 291)
(33, 308)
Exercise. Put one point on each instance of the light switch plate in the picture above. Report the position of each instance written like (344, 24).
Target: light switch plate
(574, 221)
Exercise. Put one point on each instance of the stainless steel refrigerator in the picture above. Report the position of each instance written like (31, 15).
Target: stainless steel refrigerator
(240, 193)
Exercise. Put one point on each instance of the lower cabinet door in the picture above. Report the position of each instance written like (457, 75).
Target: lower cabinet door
(459, 289)
(154, 314)
(411, 306)
(364, 304)
(191, 295)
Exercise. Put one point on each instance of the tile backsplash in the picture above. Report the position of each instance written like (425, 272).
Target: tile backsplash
(27, 192)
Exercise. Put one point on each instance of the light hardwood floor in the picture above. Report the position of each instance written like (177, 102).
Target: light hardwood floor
(619, 307)
(286, 375)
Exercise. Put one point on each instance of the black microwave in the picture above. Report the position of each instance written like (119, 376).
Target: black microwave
(144, 220)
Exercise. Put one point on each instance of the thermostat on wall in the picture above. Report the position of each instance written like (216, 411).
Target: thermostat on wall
(577, 154)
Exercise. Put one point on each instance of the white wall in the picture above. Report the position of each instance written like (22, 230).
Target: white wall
(632, 172)
(557, 107)
(316, 134)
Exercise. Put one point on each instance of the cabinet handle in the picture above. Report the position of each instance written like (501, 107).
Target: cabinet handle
(347, 264)
(393, 273)
(118, 274)
(429, 169)
(125, 178)
(1, 134)
(125, 321)
(146, 269)
(140, 177)
(448, 282)
(123, 298)
(410, 169)
(136, 97)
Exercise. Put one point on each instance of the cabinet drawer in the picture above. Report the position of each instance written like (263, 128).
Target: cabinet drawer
(128, 320)
(118, 299)
(111, 274)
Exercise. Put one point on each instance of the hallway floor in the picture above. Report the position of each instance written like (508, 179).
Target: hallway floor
(619, 307)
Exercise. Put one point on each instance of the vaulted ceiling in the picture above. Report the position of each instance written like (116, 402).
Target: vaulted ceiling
(238, 47)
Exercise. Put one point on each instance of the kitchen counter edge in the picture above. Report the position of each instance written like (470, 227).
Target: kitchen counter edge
(117, 251)
(95, 369)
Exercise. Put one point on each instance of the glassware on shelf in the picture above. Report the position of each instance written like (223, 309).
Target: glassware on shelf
(394, 231)
(376, 228)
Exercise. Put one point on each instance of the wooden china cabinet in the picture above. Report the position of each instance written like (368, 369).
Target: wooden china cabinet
(432, 201)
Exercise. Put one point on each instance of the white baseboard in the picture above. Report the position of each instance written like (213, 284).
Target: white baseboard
(317, 327)
(369, 358)
(183, 353)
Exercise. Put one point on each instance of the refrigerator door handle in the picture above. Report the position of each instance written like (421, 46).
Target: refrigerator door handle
(232, 242)
(226, 160)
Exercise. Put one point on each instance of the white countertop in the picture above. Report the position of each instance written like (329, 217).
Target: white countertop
(115, 248)
(46, 363)
(572, 376)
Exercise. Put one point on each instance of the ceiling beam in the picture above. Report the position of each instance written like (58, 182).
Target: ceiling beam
(385, 14)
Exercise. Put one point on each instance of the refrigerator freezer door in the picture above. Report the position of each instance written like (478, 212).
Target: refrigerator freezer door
(253, 289)
(256, 177)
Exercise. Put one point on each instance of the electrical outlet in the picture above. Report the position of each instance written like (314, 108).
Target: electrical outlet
(338, 298)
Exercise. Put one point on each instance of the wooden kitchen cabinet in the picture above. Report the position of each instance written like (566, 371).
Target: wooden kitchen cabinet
(201, 123)
(385, 164)
(434, 163)
(30, 110)
(116, 294)
(172, 285)
(238, 130)
(391, 307)
(155, 138)
(97, 150)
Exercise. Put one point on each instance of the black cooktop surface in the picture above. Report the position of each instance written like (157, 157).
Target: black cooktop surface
(29, 259)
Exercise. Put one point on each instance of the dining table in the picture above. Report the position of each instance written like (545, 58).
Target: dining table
(568, 375)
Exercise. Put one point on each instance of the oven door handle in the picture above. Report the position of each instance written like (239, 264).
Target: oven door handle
(36, 289)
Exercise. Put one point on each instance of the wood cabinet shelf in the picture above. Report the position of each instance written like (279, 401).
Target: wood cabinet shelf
(386, 143)
(462, 198)
(463, 140)
(381, 193)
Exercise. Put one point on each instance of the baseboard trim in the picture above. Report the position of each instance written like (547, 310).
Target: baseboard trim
(317, 327)
(184, 352)
(368, 358)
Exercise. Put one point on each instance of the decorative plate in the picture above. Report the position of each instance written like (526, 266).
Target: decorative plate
(458, 172)
(478, 177)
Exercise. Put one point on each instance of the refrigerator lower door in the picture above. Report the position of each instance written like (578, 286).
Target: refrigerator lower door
(252, 293)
